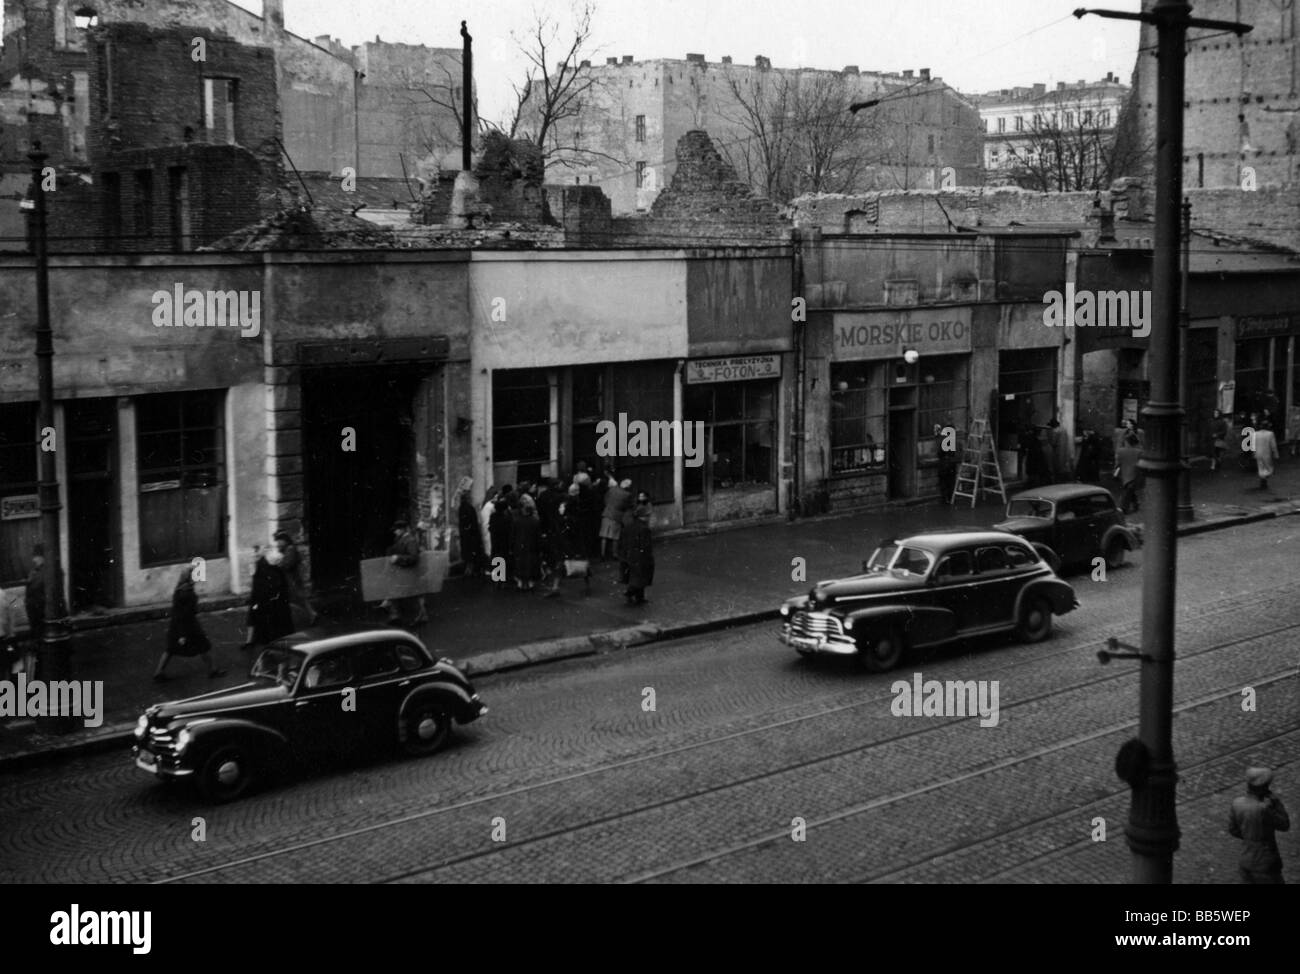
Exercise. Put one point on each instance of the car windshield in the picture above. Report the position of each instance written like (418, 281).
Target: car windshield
(900, 558)
(1029, 507)
(279, 663)
(881, 557)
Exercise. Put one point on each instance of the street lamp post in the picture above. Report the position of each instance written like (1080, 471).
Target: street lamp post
(1186, 512)
(53, 662)
(1147, 763)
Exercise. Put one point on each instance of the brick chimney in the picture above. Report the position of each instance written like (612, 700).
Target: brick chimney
(696, 59)
(611, 60)
(762, 63)
(925, 74)
(273, 13)
(726, 59)
(907, 73)
(1040, 90)
(627, 58)
(851, 69)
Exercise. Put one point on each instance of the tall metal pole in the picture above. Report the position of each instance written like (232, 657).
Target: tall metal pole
(467, 100)
(55, 637)
(1185, 510)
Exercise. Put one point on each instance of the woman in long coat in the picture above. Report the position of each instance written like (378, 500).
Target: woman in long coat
(526, 544)
(499, 534)
(185, 637)
(638, 555)
(471, 535)
(269, 615)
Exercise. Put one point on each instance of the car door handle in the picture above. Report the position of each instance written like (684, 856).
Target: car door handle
(404, 683)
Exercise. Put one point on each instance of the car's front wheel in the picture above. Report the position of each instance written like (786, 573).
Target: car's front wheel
(227, 773)
(1035, 619)
(1116, 552)
(423, 726)
(880, 653)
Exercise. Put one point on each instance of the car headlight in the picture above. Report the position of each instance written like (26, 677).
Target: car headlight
(141, 726)
(848, 624)
(183, 740)
(785, 612)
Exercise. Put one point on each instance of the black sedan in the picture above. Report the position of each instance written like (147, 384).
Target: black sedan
(1071, 524)
(313, 694)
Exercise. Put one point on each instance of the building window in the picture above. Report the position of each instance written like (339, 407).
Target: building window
(943, 401)
(1038, 121)
(929, 144)
(85, 18)
(1069, 120)
(986, 125)
(1103, 119)
(523, 424)
(1026, 392)
(20, 516)
(1085, 118)
(1020, 123)
(857, 419)
(143, 228)
(178, 201)
(640, 128)
(640, 175)
(219, 109)
(740, 429)
(181, 463)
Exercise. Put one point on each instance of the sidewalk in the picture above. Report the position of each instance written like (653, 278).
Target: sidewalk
(702, 583)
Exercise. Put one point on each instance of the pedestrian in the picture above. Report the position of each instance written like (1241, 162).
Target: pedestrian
(34, 596)
(499, 531)
(638, 553)
(269, 615)
(1255, 818)
(1060, 453)
(404, 552)
(526, 544)
(1122, 432)
(185, 637)
(471, 536)
(13, 659)
(291, 565)
(618, 500)
(1221, 427)
(1129, 474)
(484, 517)
(1087, 467)
(1266, 452)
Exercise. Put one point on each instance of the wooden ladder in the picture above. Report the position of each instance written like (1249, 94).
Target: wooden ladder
(979, 470)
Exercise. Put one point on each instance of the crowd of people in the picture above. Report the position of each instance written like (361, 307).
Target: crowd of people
(537, 533)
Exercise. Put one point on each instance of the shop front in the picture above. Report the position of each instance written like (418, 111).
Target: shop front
(1265, 372)
(896, 380)
(736, 402)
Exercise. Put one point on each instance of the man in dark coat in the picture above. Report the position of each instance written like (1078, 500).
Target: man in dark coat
(1129, 474)
(525, 544)
(638, 554)
(1255, 818)
(1087, 467)
(499, 534)
(291, 566)
(34, 595)
(185, 637)
(471, 537)
(269, 615)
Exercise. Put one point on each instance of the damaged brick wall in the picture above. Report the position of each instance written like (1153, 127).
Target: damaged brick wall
(706, 189)
(510, 174)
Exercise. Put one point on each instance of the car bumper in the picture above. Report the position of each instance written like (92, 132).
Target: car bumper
(819, 645)
(159, 765)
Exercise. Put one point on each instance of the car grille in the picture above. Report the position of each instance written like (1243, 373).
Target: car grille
(161, 741)
(815, 625)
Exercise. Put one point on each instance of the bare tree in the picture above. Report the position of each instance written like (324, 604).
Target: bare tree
(550, 102)
(1069, 145)
(762, 114)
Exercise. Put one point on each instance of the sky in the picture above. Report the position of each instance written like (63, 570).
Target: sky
(974, 45)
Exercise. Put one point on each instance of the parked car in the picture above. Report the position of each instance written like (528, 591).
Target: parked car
(925, 591)
(1071, 524)
(312, 694)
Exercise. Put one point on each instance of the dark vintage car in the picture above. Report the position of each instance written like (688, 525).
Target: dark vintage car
(311, 695)
(925, 591)
(1071, 524)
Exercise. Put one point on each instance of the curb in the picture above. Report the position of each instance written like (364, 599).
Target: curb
(528, 655)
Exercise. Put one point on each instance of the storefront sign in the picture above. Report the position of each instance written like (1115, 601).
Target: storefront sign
(1262, 326)
(734, 369)
(20, 507)
(941, 331)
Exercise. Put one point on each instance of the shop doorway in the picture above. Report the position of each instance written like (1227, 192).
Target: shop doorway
(902, 444)
(94, 538)
(353, 496)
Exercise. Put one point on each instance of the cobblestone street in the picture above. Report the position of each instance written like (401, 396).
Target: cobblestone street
(570, 779)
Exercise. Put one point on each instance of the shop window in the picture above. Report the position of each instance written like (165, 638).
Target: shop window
(180, 448)
(1026, 392)
(943, 401)
(857, 420)
(20, 526)
(521, 422)
(1261, 368)
(740, 430)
